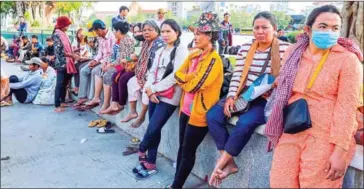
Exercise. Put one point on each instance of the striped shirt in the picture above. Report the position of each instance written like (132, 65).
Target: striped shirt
(255, 68)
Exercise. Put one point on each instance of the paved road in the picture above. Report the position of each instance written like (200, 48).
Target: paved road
(45, 151)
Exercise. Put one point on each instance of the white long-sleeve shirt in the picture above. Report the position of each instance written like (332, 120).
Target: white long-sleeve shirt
(161, 61)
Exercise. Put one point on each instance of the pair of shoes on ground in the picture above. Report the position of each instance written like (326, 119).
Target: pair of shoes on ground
(141, 172)
(104, 126)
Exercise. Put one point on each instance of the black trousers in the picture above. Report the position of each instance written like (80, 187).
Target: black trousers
(63, 79)
(20, 94)
(190, 137)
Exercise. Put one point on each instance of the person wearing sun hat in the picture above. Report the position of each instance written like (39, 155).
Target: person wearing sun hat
(25, 88)
(64, 60)
(200, 77)
(160, 16)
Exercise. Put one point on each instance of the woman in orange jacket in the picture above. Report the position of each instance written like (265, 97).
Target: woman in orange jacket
(201, 78)
(319, 156)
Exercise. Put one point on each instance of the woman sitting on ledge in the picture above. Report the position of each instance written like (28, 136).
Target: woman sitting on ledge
(264, 56)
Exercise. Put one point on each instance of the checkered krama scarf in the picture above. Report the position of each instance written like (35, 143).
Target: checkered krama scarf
(274, 126)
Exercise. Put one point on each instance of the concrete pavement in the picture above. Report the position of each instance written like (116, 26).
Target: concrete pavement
(45, 151)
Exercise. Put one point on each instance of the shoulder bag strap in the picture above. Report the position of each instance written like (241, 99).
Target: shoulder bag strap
(317, 71)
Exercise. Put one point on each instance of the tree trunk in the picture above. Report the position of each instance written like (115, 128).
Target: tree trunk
(37, 12)
(49, 10)
(353, 22)
(19, 8)
(42, 8)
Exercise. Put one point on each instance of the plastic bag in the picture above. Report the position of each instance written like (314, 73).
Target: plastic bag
(269, 106)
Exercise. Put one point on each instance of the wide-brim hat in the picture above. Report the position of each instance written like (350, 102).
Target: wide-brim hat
(161, 10)
(208, 22)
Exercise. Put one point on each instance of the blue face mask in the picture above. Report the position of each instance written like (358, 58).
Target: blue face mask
(324, 39)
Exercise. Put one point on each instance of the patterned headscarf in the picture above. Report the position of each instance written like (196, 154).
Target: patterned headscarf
(287, 76)
(208, 22)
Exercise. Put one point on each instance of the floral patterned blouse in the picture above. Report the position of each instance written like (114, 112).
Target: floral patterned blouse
(121, 50)
(60, 57)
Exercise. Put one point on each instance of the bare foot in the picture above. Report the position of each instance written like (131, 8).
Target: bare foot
(64, 105)
(218, 175)
(94, 102)
(80, 101)
(113, 111)
(103, 109)
(231, 168)
(130, 116)
(59, 109)
(137, 123)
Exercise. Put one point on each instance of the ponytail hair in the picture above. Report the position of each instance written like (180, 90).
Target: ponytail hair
(174, 25)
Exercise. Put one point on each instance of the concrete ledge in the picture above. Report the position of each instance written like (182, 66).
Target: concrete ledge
(254, 162)
(356, 163)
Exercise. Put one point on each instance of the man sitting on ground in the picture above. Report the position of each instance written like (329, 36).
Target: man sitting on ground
(37, 47)
(49, 51)
(25, 46)
(26, 88)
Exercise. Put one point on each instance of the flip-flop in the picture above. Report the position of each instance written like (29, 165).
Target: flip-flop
(94, 123)
(89, 107)
(105, 130)
(103, 123)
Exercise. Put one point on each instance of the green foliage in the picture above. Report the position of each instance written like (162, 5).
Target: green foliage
(27, 16)
(292, 36)
(36, 23)
(282, 19)
(241, 19)
(7, 6)
(140, 17)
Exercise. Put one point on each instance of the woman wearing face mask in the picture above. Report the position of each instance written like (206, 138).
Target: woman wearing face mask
(122, 77)
(138, 34)
(152, 43)
(264, 56)
(200, 77)
(319, 156)
(163, 94)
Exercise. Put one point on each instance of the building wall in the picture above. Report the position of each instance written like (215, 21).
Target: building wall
(177, 9)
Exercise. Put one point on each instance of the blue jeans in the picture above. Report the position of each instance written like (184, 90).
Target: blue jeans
(234, 142)
(158, 117)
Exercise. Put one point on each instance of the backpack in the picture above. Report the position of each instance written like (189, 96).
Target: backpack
(228, 74)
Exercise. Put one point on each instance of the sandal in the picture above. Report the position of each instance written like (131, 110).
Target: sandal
(105, 130)
(130, 150)
(89, 107)
(144, 174)
(103, 123)
(138, 168)
(135, 141)
(94, 123)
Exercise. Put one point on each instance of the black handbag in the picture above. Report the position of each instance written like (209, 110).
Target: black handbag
(297, 115)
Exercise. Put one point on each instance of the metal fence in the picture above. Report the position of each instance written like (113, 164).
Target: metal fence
(41, 33)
